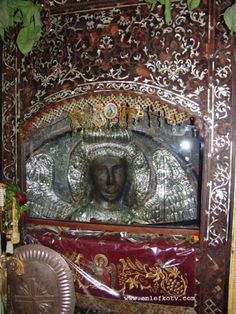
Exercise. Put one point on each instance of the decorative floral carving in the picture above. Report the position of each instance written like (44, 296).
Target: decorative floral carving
(117, 46)
(68, 63)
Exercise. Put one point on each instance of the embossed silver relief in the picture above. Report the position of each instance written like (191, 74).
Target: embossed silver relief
(46, 286)
(173, 199)
(43, 201)
(156, 188)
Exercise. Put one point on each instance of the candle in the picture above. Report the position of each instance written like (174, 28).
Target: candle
(2, 201)
(15, 232)
(2, 195)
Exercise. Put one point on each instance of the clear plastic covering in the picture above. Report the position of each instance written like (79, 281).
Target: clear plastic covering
(125, 273)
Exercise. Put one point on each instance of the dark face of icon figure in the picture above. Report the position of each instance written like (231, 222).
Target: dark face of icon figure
(108, 175)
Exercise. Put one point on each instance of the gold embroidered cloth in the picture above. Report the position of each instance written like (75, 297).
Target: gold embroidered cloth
(136, 268)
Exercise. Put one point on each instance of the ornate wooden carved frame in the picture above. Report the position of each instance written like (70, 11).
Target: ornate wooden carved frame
(101, 47)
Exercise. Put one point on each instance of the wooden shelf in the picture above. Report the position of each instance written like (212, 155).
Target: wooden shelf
(115, 228)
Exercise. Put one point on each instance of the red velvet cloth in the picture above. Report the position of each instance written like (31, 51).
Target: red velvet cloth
(143, 268)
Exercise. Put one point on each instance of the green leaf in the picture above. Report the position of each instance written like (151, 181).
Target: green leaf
(10, 194)
(193, 4)
(13, 188)
(28, 14)
(167, 11)
(26, 39)
(4, 13)
(37, 19)
(23, 208)
(18, 17)
(18, 4)
(166, 3)
(230, 18)
(2, 32)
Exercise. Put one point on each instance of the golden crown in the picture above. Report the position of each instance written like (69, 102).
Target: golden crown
(110, 115)
(103, 115)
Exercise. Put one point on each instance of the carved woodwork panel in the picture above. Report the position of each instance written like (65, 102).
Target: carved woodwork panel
(125, 48)
(9, 112)
(128, 49)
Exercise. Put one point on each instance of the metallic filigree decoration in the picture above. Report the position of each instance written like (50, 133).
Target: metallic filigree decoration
(218, 190)
(55, 79)
(32, 296)
(156, 190)
(40, 176)
(108, 42)
(148, 90)
(92, 112)
(33, 293)
(219, 122)
(9, 112)
(100, 115)
(122, 114)
(171, 182)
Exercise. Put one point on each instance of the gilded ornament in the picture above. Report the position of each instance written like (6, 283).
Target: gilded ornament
(16, 265)
(95, 114)
(135, 275)
(110, 111)
(99, 120)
